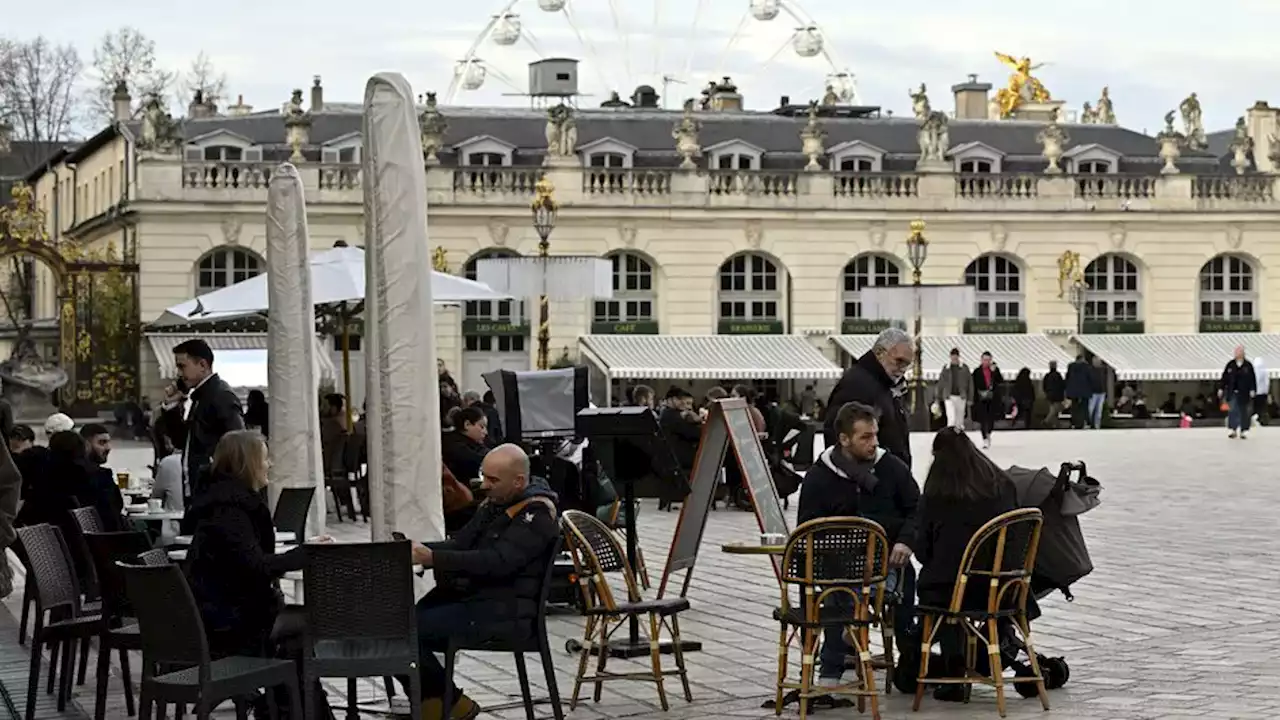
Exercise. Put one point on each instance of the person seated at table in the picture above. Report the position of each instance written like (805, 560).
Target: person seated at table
(167, 484)
(963, 491)
(858, 478)
(107, 496)
(58, 485)
(487, 574)
(463, 448)
(459, 503)
(22, 439)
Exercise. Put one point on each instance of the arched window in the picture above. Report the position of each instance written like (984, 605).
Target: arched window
(867, 270)
(1228, 292)
(224, 267)
(750, 295)
(493, 325)
(997, 287)
(632, 309)
(1114, 292)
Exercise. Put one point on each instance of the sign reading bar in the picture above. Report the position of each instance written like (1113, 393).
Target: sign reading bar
(625, 327)
(1230, 326)
(750, 327)
(979, 326)
(863, 326)
(1113, 327)
(474, 326)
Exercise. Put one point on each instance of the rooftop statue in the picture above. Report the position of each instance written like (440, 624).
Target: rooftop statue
(1023, 88)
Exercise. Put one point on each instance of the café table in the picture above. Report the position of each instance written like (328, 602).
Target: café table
(752, 549)
(282, 537)
(152, 515)
(180, 554)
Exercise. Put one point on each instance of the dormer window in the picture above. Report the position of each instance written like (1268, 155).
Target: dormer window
(1093, 167)
(857, 164)
(734, 155)
(735, 162)
(486, 159)
(222, 146)
(225, 153)
(857, 156)
(607, 152)
(607, 160)
(1091, 159)
(487, 149)
(977, 158)
(976, 166)
(342, 150)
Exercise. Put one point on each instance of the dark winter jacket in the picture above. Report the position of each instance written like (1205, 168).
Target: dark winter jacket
(943, 533)
(1239, 380)
(884, 492)
(215, 411)
(867, 382)
(682, 435)
(496, 562)
(462, 456)
(107, 498)
(1055, 388)
(1079, 383)
(232, 564)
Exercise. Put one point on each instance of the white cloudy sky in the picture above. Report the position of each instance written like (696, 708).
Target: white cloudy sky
(1152, 54)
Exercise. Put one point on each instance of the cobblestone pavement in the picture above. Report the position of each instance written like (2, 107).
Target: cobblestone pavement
(1172, 623)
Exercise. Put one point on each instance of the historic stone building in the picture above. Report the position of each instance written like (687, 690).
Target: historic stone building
(723, 222)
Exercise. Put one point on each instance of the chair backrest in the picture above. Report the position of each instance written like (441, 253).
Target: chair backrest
(359, 591)
(292, 508)
(49, 564)
(88, 519)
(107, 549)
(169, 621)
(154, 558)
(1002, 553)
(596, 552)
(836, 555)
(548, 575)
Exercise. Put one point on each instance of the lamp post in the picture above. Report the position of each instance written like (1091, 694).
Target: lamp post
(1077, 294)
(917, 253)
(544, 209)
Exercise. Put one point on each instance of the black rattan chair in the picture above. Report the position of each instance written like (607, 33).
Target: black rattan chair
(533, 640)
(158, 557)
(173, 638)
(57, 593)
(86, 520)
(361, 620)
(118, 633)
(292, 508)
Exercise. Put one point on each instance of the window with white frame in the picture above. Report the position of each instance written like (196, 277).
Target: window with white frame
(869, 270)
(857, 163)
(736, 161)
(997, 287)
(486, 159)
(633, 291)
(608, 160)
(496, 311)
(224, 267)
(1114, 292)
(1093, 167)
(1228, 290)
(341, 156)
(750, 289)
(975, 166)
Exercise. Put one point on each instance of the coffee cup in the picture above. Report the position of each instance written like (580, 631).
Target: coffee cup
(772, 539)
(155, 505)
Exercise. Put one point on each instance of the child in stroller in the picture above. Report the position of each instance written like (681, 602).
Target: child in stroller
(1061, 560)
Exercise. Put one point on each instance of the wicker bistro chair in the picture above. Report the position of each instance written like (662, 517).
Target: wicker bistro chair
(360, 617)
(1002, 554)
(616, 521)
(597, 552)
(829, 559)
(173, 641)
(118, 633)
(58, 594)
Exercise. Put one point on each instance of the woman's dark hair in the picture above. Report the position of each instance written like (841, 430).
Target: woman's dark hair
(746, 392)
(959, 471)
(256, 399)
(470, 414)
(68, 445)
(23, 432)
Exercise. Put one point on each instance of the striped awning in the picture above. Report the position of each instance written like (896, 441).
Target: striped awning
(162, 344)
(1193, 356)
(1011, 352)
(698, 357)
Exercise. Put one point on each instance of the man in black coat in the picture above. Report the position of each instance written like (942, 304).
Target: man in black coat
(487, 575)
(855, 477)
(205, 406)
(682, 429)
(1078, 388)
(871, 381)
(1055, 391)
(1239, 385)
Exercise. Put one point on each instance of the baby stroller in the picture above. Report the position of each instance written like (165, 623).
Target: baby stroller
(1062, 558)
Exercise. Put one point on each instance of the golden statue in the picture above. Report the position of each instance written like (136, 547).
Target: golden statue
(440, 259)
(1023, 87)
(23, 221)
(1070, 271)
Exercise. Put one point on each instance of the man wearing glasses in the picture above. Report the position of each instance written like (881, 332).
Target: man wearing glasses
(873, 381)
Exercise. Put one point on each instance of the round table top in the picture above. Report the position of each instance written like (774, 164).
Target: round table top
(154, 516)
(752, 549)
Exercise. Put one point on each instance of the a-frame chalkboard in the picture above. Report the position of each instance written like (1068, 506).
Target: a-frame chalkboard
(728, 427)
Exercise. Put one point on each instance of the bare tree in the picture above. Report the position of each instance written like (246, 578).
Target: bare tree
(37, 88)
(202, 77)
(129, 56)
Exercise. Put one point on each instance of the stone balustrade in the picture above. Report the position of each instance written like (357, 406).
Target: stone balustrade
(170, 179)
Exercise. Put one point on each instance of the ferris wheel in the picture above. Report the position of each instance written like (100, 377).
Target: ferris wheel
(654, 42)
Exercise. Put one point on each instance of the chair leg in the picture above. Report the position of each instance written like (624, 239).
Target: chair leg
(55, 654)
(994, 664)
(144, 703)
(447, 702)
(678, 652)
(353, 700)
(1025, 628)
(655, 659)
(33, 676)
(553, 688)
(602, 659)
(808, 644)
(415, 693)
(66, 673)
(28, 597)
(242, 709)
(522, 672)
(888, 617)
(926, 643)
(389, 685)
(308, 691)
(783, 646)
(84, 661)
(126, 678)
(103, 672)
(296, 708)
(868, 671)
(202, 709)
(584, 655)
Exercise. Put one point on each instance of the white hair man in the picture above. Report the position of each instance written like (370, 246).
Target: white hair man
(871, 381)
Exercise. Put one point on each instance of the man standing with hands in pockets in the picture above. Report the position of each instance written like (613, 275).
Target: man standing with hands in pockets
(1239, 385)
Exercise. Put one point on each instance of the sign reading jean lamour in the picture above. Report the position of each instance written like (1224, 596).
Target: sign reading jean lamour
(863, 326)
(750, 327)
(727, 428)
(475, 326)
(1003, 326)
(1230, 326)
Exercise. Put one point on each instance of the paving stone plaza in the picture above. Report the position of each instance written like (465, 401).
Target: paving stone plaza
(1176, 620)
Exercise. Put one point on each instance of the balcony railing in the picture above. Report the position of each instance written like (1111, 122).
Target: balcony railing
(601, 181)
(1124, 187)
(753, 182)
(227, 175)
(1245, 188)
(998, 186)
(496, 180)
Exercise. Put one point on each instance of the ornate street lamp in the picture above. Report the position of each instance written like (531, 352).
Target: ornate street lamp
(1077, 294)
(544, 209)
(917, 253)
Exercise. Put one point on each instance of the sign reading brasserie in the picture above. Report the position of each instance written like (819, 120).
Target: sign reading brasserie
(625, 327)
(473, 326)
(1113, 327)
(1230, 326)
(750, 327)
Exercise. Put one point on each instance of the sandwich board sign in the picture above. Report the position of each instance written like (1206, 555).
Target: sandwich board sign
(727, 433)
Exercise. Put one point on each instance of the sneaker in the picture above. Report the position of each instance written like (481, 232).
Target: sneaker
(1243, 436)
(986, 443)
(1233, 435)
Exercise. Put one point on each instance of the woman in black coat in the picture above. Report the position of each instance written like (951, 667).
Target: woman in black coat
(987, 404)
(1024, 397)
(463, 448)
